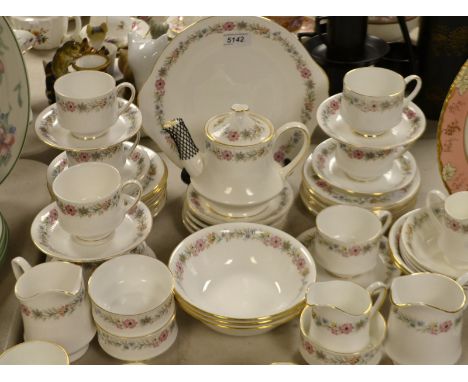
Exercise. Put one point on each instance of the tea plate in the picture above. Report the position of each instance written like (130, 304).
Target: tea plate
(222, 60)
(332, 195)
(14, 100)
(326, 167)
(418, 242)
(277, 207)
(53, 134)
(394, 244)
(452, 133)
(384, 271)
(242, 271)
(49, 236)
(411, 127)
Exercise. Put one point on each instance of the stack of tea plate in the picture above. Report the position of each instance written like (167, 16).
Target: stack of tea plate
(198, 214)
(4, 234)
(366, 161)
(241, 279)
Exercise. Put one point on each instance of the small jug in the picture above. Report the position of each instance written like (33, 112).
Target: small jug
(426, 317)
(341, 312)
(451, 217)
(54, 305)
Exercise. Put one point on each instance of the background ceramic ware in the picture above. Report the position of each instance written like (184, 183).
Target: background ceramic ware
(452, 222)
(238, 151)
(345, 37)
(131, 295)
(87, 103)
(347, 242)
(426, 315)
(341, 311)
(89, 200)
(49, 31)
(54, 305)
(366, 163)
(374, 98)
(35, 353)
(91, 62)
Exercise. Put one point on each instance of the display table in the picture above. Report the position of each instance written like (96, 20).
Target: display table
(24, 193)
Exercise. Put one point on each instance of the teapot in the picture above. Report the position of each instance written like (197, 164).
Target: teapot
(54, 305)
(426, 319)
(236, 171)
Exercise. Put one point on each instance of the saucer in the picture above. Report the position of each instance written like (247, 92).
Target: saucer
(326, 167)
(49, 236)
(329, 194)
(418, 244)
(411, 127)
(276, 208)
(384, 271)
(153, 182)
(53, 134)
(393, 242)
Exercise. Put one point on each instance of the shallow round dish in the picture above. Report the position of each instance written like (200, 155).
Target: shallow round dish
(242, 271)
(35, 353)
(316, 354)
(131, 295)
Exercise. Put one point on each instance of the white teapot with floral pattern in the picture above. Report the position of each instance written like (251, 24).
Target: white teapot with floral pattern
(236, 171)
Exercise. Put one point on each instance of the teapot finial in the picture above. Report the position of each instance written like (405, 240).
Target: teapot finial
(240, 107)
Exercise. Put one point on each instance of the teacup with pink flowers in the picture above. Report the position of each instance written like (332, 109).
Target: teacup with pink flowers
(347, 239)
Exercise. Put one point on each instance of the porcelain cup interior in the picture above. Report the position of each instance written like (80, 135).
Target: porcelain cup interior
(35, 353)
(91, 62)
(130, 284)
(89, 200)
(84, 86)
(374, 82)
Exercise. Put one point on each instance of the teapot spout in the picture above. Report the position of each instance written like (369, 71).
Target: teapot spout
(189, 153)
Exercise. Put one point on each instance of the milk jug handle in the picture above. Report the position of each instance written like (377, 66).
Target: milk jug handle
(19, 266)
(380, 289)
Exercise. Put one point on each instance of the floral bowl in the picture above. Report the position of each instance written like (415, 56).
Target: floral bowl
(315, 354)
(135, 349)
(131, 295)
(242, 272)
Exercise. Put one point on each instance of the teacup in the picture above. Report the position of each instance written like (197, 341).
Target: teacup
(341, 312)
(131, 295)
(35, 353)
(115, 155)
(87, 102)
(347, 240)
(366, 164)
(374, 98)
(89, 200)
(49, 31)
(452, 219)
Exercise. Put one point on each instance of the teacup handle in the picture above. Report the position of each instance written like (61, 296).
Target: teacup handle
(75, 33)
(433, 197)
(136, 198)
(126, 105)
(286, 170)
(19, 266)
(380, 289)
(415, 91)
(135, 144)
(385, 218)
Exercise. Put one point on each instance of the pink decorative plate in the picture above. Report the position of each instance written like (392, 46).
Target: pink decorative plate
(452, 134)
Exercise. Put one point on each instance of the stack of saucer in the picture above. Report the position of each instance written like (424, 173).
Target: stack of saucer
(366, 162)
(198, 214)
(114, 121)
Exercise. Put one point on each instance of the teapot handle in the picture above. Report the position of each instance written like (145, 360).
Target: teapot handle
(286, 170)
(19, 266)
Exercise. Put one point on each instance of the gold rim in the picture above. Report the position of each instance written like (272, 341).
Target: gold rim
(37, 341)
(263, 319)
(439, 125)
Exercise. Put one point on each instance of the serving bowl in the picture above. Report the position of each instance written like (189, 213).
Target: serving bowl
(131, 295)
(242, 273)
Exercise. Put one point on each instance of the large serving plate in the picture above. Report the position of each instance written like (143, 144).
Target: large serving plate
(220, 61)
(14, 100)
(242, 271)
(453, 135)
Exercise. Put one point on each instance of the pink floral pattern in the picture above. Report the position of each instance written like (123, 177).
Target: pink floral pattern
(93, 156)
(89, 210)
(86, 107)
(368, 104)
(347, 250)
(432, 328)
(330, 358)
(239, 155)
(266, 238)
(338, 328)
(55, 312)
(7, 139)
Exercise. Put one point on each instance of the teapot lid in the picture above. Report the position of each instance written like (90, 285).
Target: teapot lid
(239, 127)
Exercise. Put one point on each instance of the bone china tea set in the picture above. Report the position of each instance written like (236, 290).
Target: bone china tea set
(238, 272)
